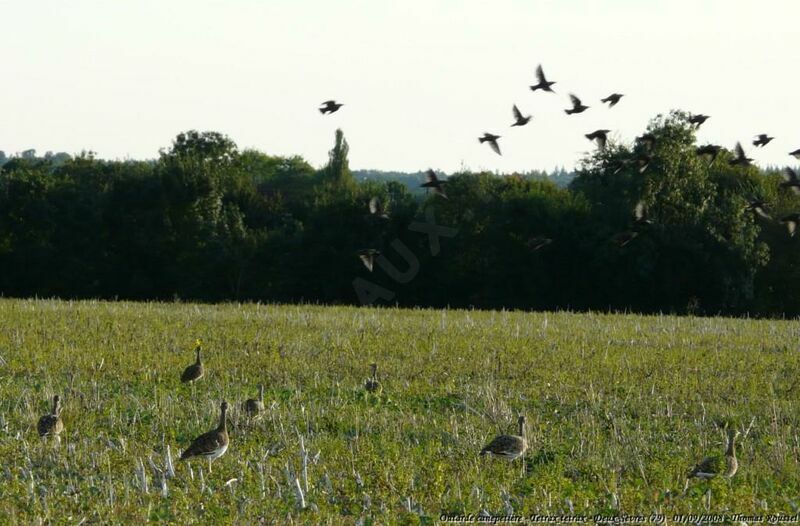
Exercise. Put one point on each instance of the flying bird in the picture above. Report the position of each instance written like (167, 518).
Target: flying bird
(492, 140)
(648, 139)
(600, 137)
(577, 107)
(791, 180)
(519, 119)
(643, 161)
(740, 159)
(535, 243)
(709, 151)
(762, 140)
(640, 214)
(330, 106)
(543, 84)
(791, 221)
(795, 154)
(697, 120)
(612, 99)
(435, 183)
(757, 206)
(623, 238)
(509, 447)
(377, 209)
(367, 257)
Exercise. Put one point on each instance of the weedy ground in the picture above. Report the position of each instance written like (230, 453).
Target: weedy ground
(619, 407)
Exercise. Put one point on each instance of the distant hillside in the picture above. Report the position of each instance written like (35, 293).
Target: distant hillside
(412, 180)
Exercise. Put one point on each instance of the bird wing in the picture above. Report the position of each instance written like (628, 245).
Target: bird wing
(540, 75)
(431, 175)
(709, 466)
(503, 444)
(791, 226)
(329, 103)
(374, 205)
(790, 175)
(517, 113)
(495, 146)
(638, 211)
(575, 100)
(739, 151)
(760, 211)
(205, 444)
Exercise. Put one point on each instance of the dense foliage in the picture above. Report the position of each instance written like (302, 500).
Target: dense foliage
(206, 221)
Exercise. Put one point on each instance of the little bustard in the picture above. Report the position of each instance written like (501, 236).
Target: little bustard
(718, 465)
(213, 444)
(254, 407)
(51, 424)
(372, 384)
(509, 447)
(194, 371)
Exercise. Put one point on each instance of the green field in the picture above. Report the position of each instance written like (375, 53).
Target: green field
(619, 407)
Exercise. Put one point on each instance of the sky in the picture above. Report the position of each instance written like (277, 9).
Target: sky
(420, 79)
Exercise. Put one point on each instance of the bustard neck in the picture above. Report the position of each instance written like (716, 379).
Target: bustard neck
(223, 426)
(198, 354)
(731, 451)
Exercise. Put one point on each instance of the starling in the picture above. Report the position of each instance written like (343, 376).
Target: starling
(697, 120)
(795, 154)
(435, 183)
(535, 243)
(758, 207)
(762, 140)
(330, 106)
(740, 158)
(519, 120)
(709, 151)
(612, 99)
(577, 107)
(600, 137)
(492, 140)
(791, 181)
(543, 83)
(367, 257)
(648, 139)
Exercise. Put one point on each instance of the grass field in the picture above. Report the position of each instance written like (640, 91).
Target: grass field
(619, 407)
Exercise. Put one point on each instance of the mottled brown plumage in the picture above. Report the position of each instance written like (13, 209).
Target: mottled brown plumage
(213, 444)
(509, 447)
(255, 406)
(195, 371)
(718, 465)
(372, 384)
(51, 424)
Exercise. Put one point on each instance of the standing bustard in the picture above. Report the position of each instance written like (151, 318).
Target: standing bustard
(715, 465)
(194, 371)
(372, 384)
(252, 406)
(51, 424)
(509, 447)
(213, 444)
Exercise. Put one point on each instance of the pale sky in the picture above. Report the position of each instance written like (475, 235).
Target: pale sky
(420, 79)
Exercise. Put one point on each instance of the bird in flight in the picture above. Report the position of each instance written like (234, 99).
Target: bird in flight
(600, 137)
(367, 257)
(492, 140)
(795, 154)
(577, 107)
(435, 183)
(623, 238)
(542, 84)
(709, 151)
(612, 99)
(697, 120)
(648, 139)
(377, 209)
(640, 214)
(762, 140)
(535, 243)
(740, 159)
(329, 106)
(791, 181)
(791, 222)
(519, 119)
(757, 206)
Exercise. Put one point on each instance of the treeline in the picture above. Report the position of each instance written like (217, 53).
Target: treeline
(208, 222)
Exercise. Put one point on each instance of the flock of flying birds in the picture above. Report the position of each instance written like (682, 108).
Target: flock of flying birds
(213, 444)
(641, 161)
